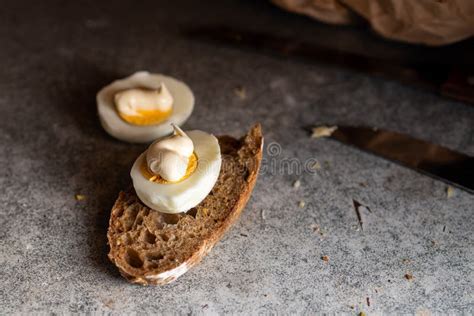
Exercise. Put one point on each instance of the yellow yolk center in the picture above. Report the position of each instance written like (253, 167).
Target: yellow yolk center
(192, 165)
(146, 117)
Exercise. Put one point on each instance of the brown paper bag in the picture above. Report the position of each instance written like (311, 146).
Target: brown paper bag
(328, 11)
(430, 22)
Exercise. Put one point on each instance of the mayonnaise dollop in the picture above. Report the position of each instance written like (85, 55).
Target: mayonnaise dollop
(169, 157)
(133, 102)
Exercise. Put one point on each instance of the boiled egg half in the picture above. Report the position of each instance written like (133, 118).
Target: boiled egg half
(177, 172)
(141, 107)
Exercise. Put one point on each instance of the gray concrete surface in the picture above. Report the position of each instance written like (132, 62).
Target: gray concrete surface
(55, 56)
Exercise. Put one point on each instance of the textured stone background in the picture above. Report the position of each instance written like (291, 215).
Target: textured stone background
(56, 55)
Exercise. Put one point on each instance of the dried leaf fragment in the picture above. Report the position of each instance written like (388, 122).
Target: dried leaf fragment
(323, 131)
(240, 92)
(315, 166)
(79, 197)
(450, 191)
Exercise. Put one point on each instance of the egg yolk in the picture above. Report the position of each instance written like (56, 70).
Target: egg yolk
(192, 165)
(146, 117)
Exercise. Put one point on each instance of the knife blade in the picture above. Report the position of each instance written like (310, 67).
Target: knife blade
(456, 82)
(436, 161)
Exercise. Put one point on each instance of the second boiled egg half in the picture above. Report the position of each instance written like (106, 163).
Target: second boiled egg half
(142, 107)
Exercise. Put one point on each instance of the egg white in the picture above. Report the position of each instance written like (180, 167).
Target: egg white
(181, 196)
(114, 125)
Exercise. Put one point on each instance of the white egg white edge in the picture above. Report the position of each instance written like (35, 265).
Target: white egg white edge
(182, 196)
(114, 125)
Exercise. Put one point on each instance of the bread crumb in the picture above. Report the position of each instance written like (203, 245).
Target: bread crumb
(361, 314)
(325, 258)
(450, 191)
(153, 178)
(79, 197)
(409, 276)
(297, 184)
(301, 204)
(323, 131)
(240, 92)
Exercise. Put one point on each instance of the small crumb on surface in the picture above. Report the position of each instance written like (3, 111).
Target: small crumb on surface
(109, 303)
(361, 314)
(315, 228)
(357, 207)
(79, 197)
(368, 301)
(450, 192)
(301, 204)
(262, 213)
(322, 131)
(322, 232)
(409, 276)
(296, 184)
(423, 312)
(325, 258)
(240, 92)
(315, 166)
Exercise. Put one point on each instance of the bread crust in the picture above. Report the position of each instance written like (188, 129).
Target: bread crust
(251, 149)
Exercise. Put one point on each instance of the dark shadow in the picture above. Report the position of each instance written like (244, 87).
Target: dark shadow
(76, 94)
(99, 163)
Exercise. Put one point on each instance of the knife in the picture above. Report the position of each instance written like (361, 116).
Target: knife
(451, 81)
(436, 161)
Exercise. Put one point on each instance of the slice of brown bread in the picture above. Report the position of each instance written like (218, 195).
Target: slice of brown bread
(150, 247)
